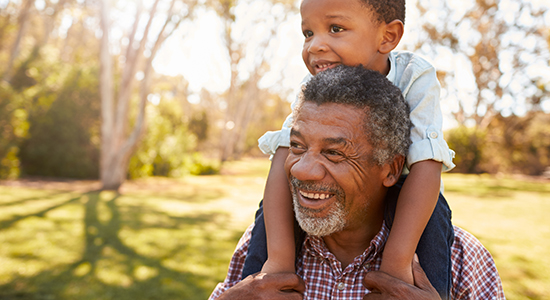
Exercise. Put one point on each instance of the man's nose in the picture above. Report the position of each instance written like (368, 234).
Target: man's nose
(308, 168)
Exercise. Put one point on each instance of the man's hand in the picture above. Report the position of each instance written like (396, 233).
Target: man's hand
(284, 286)
(384, 286)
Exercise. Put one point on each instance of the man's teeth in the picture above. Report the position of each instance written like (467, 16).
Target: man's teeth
(323, 66)
(314, 195)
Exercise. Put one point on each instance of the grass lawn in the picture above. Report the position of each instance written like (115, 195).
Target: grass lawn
(172, 238)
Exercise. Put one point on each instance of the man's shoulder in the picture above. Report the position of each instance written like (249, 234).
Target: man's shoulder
(475, 275)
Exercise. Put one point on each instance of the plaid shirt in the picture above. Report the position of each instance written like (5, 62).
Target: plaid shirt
(474, 274)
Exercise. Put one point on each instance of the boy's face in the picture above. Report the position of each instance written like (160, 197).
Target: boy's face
(341, 32)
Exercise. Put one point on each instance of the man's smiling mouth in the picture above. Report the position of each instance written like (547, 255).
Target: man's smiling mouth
(315, 196)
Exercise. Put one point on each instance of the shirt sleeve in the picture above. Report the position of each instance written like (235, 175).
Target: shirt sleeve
(236, 265)
(474, 272)
(271, 140)
(422, 93)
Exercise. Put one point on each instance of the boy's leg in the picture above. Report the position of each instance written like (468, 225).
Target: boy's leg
(257, 249)
(434, 247)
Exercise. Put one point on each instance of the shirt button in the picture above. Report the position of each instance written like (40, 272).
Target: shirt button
(433, 135)
(341, 286)
(367, 266)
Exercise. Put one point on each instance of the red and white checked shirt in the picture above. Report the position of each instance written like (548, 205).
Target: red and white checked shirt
(474, 274)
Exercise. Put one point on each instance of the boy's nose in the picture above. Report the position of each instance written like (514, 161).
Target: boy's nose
(308, 168)
(317, 44)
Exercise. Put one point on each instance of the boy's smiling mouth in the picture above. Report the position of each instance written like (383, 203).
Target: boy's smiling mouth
(321, 66)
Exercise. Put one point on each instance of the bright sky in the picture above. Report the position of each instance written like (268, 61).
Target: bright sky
(197, 51)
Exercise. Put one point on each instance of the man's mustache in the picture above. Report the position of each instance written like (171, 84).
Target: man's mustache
(312, 186)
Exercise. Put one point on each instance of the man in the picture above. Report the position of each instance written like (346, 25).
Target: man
(347, 148)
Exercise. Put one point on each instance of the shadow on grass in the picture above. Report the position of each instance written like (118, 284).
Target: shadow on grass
(110, 268)
(22, 201)
(8, 223)
(197, 195)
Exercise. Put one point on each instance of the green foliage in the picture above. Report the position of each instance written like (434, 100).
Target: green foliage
(519, 144)
(509, 145)
(13, 127)
(200, 166)
(63, 136)
(167, 146)
(198, 125)
(468, 144)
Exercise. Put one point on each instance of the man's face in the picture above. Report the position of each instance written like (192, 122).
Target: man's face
(340, 32)
(334, 183)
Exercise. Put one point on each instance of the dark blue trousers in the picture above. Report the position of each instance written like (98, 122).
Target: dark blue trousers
(434, 247)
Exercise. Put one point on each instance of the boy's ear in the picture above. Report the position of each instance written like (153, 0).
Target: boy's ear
(393, 171)
(392, 36)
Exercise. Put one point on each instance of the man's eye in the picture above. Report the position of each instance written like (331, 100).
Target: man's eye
(336, 28)
(296, 148)
(335, 156)
(307, 33)
(333, 153)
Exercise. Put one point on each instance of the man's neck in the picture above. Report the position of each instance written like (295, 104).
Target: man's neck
(346, 245)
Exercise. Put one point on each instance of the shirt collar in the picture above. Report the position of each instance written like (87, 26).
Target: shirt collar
(316, 246)
(392, 73)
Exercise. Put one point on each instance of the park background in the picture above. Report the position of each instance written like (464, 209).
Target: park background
(129, 165)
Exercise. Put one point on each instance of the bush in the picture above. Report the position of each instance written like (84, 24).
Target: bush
(167, 146)
(63, 138)
(468, 143)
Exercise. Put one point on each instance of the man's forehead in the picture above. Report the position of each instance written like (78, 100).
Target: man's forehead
(331, 122)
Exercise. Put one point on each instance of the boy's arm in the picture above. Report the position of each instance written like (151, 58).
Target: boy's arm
(415, 205)
(279, 217)
(421, 90)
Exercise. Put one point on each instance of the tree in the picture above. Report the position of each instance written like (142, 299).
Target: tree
(243, 94)
(117, 142)
(38, 73)
(490, 54)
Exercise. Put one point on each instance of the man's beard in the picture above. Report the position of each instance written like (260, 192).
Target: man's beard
(308, 218)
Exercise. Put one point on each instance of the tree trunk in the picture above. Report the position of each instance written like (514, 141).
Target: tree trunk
(117, 145)
(22, 22)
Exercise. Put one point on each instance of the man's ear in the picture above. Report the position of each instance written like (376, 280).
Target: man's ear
(392, 36)
(393, 170)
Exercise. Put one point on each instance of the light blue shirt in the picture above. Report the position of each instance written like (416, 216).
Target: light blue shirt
(418, 81)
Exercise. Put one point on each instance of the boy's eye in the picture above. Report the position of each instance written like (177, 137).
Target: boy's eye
(308, 33)
(336, 28)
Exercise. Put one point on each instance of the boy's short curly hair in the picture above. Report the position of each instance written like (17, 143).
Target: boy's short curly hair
(387, 123)
(387, 10)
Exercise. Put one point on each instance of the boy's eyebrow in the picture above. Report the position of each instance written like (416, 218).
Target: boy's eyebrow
(344, 17)
(334, 17)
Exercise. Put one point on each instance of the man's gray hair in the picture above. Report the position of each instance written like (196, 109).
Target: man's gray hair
(387, 123)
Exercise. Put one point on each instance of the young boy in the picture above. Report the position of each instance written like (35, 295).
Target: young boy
(365, 32)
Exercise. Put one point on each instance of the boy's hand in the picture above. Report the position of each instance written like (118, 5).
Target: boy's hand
(281, 286)
(273, 266)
